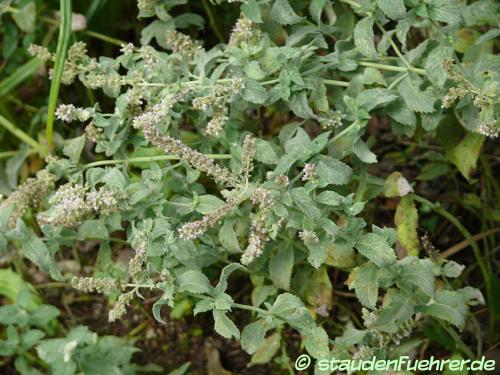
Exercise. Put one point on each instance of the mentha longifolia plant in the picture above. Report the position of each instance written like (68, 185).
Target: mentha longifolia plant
(250, 157)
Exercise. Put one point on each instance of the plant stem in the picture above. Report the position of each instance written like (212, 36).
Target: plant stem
(393, 68)
(61, 51)
(148, 158)
(212, 22)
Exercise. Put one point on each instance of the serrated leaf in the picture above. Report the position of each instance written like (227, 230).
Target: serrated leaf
(364, 281)
(194, 282)
(375, 248)
(36, 251)
(227, 237)
(280, 267)
(253, 336)
(267, 350)
(73, 148)
(283, 13)
(251, 10)
(394, 9)
(466, 153)
(364, 37)
(448, 306)
(433, 64)
(374, 98)
(316, 343)
(254, 92)
(225, 326)
(416, 99)
(406, 220)
(332, 171)
(305, 203)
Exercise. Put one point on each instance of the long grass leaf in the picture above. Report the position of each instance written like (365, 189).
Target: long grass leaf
(61, 51)
(20, 75)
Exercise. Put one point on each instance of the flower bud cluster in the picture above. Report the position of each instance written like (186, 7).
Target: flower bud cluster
(196, 159)
(72, 204)
(93, 133)
(159, 111)
(127, 49)
(41, 52)
(243, 31)
(308, 236)
(137, 261)
(93, 284)
(182, 44)
(195, 229)
(333, 122)
(489, 129)
(248, 155)
(120, 307)
(309, 172)
(282, 181)
(256, 241)
(263, 198)
(29, 194)
(69, 113)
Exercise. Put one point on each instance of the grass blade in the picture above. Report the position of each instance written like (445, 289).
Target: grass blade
(62, 49)
(22, 73)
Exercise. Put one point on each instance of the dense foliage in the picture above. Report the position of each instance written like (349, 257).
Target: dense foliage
(213, 166)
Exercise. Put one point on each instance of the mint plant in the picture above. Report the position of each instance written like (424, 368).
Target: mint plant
(251, 157)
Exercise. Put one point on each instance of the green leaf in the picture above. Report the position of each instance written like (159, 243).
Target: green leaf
(25, 17)
(316, 8)
(316, 343)
(224, 275)
(251, 10)
(254, 92)
(374, 98)
(448, 306)
(225, 326)
(433, 64)
(394, 9)
(267, 350)
(406, 220)
(227, 236)
(364, 37)
(397, 311)
(253, 336)
(375, 248)
(93, 229)
(305, 203)
(283, 13)
(465, 154)
(208, 203)
(36, 251)
(448, 11)
(193, 282)
(73, 148)
(11, 284)
(280, 267)
(332, 171)
(417, 272)
(364, 281)
(265, 152)
(416, 99)
(330, 198)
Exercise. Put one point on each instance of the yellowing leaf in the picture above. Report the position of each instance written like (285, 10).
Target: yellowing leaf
(406, 220)
(465, 154)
